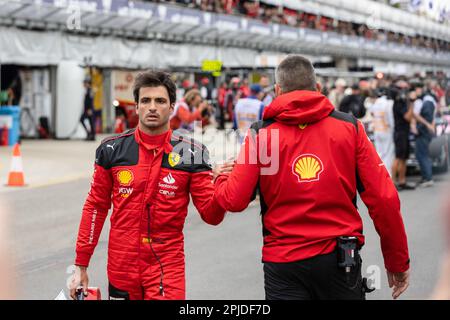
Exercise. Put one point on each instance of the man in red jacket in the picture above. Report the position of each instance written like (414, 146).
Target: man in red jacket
(308, 162)
(148, 174)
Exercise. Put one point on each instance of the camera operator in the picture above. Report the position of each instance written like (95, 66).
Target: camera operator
(403, 113)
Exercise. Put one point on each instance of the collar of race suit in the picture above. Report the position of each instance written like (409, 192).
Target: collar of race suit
(152, 142)
(299, 107)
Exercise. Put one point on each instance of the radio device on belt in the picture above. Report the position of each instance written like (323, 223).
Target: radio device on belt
(347, 251)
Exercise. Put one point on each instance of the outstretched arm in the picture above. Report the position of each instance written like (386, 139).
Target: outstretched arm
(234, 193)
(95, 211)
(381, 197)
(202, 191)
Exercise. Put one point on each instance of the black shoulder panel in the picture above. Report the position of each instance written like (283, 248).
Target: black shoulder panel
(121, 150)
(187, 155)
(117, 136)
(345, 117)
(257, 125)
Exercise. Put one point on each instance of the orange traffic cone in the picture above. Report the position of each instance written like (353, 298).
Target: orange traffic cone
(16, 177)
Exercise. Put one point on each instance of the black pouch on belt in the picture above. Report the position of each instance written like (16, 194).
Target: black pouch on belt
(348, 258)
(346, 252)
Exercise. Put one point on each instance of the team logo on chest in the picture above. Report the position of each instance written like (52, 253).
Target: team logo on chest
(125, 178)
(169, 186)
(169, 179)
(307, 168)
(174, 159)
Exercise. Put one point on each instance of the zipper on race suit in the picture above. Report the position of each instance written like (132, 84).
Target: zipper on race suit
(150, 242)
(148, 223)
(147, 206)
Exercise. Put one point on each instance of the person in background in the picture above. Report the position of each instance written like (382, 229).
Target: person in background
(88, 110)
(184, 87)
(188, 110)
(337, 94)
(231, 98)
(248, 110)
(221, 93)
(403, 114)
(440, 95)
(371, 97)
(383, 127)
(447, 98)
(354, 103)
(205, 89)
(244, 90)
(424, 115)
(267, 90)
(15, 91)
(435, 89)
(417, 105)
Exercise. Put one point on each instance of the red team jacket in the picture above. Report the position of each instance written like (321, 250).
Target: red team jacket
(149, 190)
(324, 159)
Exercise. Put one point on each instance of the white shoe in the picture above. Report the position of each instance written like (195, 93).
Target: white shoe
(427, 183)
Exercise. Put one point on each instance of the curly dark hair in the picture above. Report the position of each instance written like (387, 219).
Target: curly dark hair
(155, 78)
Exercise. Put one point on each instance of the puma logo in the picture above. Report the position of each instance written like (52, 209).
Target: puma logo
(110, 146)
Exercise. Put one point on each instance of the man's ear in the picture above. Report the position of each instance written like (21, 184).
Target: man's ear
(172, 108)
(278, 91)
(318, 87)
(137, 108)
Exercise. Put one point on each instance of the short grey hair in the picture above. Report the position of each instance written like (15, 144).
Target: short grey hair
(295, 72)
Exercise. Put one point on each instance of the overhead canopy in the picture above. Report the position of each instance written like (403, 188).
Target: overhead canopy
(37, 48)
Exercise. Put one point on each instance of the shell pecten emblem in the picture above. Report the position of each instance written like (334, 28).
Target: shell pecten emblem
(125, 177)
(307, 168)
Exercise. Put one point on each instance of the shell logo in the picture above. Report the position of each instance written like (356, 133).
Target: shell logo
(307, 168)
(174, 159)
(125, 177)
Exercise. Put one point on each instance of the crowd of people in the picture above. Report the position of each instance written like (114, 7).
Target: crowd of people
(391, 109)
(282, 15)
(234, 101)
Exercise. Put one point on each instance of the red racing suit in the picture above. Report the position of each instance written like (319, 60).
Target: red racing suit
(308, 162)
(149, 187)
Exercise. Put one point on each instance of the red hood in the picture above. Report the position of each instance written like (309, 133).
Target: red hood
(299, 107)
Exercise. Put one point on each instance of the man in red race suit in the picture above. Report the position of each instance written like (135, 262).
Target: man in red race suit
(148, 174)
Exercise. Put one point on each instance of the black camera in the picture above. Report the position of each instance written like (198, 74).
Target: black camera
(397, 94)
